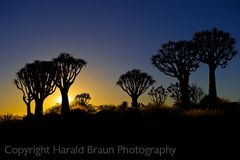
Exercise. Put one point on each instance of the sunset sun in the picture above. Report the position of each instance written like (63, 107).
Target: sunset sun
(59, 99)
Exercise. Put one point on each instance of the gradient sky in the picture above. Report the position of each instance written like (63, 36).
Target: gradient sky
(113, 36)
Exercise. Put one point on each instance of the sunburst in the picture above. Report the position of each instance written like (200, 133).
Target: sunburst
(59, 99)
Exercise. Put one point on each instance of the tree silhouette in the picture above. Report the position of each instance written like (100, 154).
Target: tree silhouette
(177, 59)
(196, 94)
(175, 92)
(82, 99)
(23, 83)
(55, 109)
(158, 96)
(214, 48)
(41, 76)
(135, 83)
(67, 69)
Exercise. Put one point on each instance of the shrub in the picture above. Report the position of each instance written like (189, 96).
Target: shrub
(56, 109)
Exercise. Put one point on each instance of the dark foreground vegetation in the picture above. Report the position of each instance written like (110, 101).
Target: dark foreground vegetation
(209, 132)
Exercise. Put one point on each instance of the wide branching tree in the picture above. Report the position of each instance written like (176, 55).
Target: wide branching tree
(40, 77)
(67, 68)
(135, 83)
(214, 48)
(177, 59)
(23, 83)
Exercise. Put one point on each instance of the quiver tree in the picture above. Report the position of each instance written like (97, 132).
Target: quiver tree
(158, 95)
(23, 83)
(175, 92)
(82, 99)
(214, 48)
(41, 76)
(196, 93)
(177, 59)
(67, 69)
(135, 83)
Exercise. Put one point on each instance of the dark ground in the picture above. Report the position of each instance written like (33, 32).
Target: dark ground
(201, 137)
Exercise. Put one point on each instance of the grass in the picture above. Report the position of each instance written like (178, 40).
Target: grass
(198, 112)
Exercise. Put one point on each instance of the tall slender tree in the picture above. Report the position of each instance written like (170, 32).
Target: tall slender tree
(67, 68)
(135, 83)
(23, 83)
(214, 48)
(177, 59)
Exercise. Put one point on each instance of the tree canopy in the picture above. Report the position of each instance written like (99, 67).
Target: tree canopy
(67, 68)
(214, 48)
(177, 59)
(41, 77)
(82, 99)
(135, 83)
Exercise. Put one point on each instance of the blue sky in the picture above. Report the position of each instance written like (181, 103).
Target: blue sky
(113, 36)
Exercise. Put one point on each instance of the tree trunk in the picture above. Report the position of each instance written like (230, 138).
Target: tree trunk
(29, 113)
(38, 108)
(212, 83)
(185, 97)
(65, 102)
(134, 102)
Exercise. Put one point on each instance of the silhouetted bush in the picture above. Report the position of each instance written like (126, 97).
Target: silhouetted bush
(82, 99)
(56, 109)
(86, 108)
(155, 107)
(107, 108)
(224, 105)
(158, 96)
(122, 107)
(196, 94)
(6, 118)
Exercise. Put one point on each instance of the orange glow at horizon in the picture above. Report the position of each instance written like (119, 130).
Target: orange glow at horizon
(59, 99)
(102, 92)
